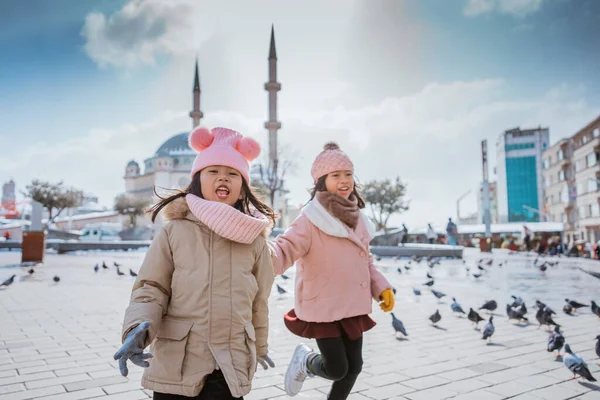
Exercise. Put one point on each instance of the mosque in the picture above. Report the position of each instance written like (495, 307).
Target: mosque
(169, 167)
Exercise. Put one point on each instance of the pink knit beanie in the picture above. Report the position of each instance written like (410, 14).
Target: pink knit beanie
(329, 160)
(222, 146)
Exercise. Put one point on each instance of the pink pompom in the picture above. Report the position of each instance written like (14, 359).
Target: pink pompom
(200, 138)
(248, 147)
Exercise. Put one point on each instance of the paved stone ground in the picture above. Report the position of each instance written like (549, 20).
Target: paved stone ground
(57, 340)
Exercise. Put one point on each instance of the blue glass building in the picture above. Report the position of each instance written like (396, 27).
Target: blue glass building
(519, 174)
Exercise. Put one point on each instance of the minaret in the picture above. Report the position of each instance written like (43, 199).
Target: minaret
(272, 86)
(196, 114)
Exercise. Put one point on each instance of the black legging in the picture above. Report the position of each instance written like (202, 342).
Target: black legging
(214, 388)
(340, 361)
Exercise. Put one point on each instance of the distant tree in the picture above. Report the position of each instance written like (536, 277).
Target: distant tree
(132, 206)
(271, 177)
(385, 198)
(53, 197)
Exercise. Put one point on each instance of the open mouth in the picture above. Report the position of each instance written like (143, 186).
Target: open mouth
(344, 189)
(222, 192)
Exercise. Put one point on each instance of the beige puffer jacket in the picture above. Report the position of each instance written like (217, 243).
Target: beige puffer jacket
(206, 298)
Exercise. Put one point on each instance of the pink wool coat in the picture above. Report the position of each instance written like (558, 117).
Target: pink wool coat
(335, 275)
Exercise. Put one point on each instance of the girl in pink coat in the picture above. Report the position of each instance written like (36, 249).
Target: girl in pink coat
(335, 277)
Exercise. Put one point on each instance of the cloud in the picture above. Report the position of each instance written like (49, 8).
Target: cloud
(516, 8)
(430, 138)
(143, 30)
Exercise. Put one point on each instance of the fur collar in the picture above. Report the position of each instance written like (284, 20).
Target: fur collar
(322, 219)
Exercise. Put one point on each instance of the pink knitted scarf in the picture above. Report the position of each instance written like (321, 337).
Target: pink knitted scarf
(226, 221)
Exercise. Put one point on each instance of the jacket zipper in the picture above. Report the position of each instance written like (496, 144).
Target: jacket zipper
(210, 274)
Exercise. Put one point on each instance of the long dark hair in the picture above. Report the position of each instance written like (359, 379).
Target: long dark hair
(242, 205)
(321, 187)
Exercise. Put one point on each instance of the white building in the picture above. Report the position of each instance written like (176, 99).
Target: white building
(519, 184)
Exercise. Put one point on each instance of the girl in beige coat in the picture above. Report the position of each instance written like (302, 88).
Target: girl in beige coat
(201, 297)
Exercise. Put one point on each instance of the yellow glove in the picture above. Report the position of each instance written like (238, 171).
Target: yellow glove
(387, 303)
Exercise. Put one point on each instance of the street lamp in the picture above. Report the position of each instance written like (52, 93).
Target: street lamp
(458, 205)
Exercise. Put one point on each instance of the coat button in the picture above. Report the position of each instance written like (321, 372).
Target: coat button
(364, 284)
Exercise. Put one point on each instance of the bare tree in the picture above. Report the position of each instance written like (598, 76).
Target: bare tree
(385, 198)
(53, 196)
(132, 206)
(271, 177)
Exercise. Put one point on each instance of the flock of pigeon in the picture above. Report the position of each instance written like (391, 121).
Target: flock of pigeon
(56, 279)
(515, 310)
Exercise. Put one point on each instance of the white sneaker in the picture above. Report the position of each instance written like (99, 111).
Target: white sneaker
(297, 370)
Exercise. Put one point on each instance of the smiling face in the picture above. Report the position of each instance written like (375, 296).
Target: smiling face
(340, 182)
(222, 184)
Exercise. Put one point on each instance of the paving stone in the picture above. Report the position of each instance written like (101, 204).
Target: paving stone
(78, 395)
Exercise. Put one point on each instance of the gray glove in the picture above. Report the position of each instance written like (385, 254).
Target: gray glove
(133, 349)
(264, 360)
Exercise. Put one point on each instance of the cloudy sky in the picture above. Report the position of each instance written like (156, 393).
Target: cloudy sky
(406, 87)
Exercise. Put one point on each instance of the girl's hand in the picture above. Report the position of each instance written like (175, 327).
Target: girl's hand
(266, 362)
(133, 349)
(387, 300)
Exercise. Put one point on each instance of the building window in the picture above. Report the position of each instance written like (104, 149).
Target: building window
(561, 175)
(560, 155)
(563, 218)
(519, 146)
(590, 159)
(584, 139)
(592, 185)
(579, 165)
(594, 210)
(522, 190)
(580, 189)
(564, 195)
(582, 212)
(596, 132)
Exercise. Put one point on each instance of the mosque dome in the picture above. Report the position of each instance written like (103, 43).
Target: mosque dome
(175, 145)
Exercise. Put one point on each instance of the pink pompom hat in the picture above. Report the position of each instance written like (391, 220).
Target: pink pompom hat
(222, 146)
(331, 159)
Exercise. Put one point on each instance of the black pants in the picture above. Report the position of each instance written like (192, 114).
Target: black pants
(215, 388)
(340, 361)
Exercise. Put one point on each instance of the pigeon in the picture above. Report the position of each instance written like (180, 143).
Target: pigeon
(595, 308)
(488, 329)
(132, 273)
(476, 276)
(104, 266)
(398, 326)
(575, 304)
(435, 317)
(489, 305)
(116, 265)
(490, 261)
(598, 346)
(594, 274)
(406, 267)
(556, 341)
(515, 313)
(31, 271)
(481, 268)
(517, 301)
(119, 273)
(416, 291)
(544, 317)
(56, 279)
(474, 317)
(394, 290)
(437, 294)
(285, 277)
(576, 365)
(429, 283)
(543, 267)
(96, 268)
(429, 276)
(456, 307)
(399, 270)
(281, 290)
(568, 309)
(8, 282)
(544, 306)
